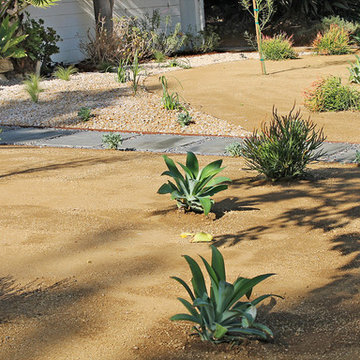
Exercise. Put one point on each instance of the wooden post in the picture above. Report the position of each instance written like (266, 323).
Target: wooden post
(258, 36)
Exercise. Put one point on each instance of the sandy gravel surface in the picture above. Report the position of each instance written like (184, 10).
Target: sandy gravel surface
(113, 104)
(88, 248)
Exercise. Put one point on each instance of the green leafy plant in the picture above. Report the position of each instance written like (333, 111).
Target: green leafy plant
(159, 56)
(354, 70)
(16, 7)
(184, 118)
(220, 314)
(85, 114)
(40, 44)
(123, 74)
(65, 73)
(9, 41)
(193, 191)
(283, 149)
(278, 47)
(350, 26)
(166, 38)
(204, 41)
(112, 140)
(335, 41)
(328, 94)
(234, 149)
(357, 158)
(32, 87)
(132, 35)
(170, 101)
(135, 70)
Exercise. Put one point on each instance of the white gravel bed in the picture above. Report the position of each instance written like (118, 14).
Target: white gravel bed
(113, 104)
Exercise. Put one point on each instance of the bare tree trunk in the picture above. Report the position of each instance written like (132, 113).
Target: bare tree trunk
(103, 10)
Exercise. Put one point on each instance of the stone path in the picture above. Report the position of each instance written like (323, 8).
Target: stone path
(204, 145)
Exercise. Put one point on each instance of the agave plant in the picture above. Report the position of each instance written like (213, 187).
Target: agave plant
(219, 314)
(193, 190)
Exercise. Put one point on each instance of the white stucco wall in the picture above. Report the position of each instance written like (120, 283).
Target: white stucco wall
(73, 18)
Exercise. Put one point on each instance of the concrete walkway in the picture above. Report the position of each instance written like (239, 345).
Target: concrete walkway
(204, 145)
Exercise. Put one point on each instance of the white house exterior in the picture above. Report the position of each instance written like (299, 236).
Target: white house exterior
(73, 18)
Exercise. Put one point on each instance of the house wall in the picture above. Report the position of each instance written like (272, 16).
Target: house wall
(72, 19)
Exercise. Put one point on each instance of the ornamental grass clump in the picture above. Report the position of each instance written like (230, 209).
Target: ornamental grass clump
(65, 73)
(221, 314)
(329, 94)
(283, 149)
(335, 41)
(193, 190)
(279, 47)
(32, 87)
(170, 101)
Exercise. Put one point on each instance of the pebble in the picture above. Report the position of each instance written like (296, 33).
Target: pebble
(113, 104)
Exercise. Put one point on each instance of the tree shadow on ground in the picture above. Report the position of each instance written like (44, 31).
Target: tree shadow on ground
(334, 206)
(232, 204)
(66, 165)
(35, 299)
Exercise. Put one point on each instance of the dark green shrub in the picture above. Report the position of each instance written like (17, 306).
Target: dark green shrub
(193, 191)
(219, 314)
(278, 47)
(40, 43)
(283, 149)
(335, 41)
(328, 94)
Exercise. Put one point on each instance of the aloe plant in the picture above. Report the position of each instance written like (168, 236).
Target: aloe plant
(219, 314)
(193, 190)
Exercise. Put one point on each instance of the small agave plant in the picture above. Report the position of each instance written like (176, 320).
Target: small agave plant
(219, 314)
(193, 190)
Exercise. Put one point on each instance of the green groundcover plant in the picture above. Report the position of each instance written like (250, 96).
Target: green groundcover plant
(219, 314)
(354, 70)
(335, 41)
(112, 141)
(329, 94)
(278, 47)
(85, 114)
(283, 149)
(234, 149)
(193, 190)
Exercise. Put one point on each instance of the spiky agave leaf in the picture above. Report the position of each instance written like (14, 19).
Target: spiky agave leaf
(222, 317)
(193, 191)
